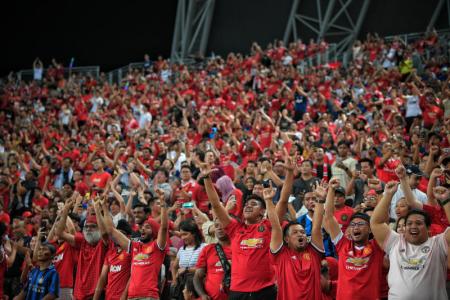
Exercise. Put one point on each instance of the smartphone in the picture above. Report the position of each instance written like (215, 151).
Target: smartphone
(187, 205)
(358, 167)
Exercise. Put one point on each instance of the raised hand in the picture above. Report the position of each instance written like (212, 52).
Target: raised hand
(334, 183)
(320, 190)
(268, 194)
(391, 187)
(438, 172)
(441, 193)
(400, 171)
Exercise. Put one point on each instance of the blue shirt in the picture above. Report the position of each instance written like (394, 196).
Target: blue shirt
(328, 246)
(42, 282)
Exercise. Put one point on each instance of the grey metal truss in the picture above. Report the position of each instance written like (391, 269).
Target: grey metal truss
(437, 11)
(192, 26)
(333, 19)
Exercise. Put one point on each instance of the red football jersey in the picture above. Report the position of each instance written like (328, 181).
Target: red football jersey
(64, 261)
(89, 267)
(209, 260)
(360, 270)
(100, 180)
(298, 273)
(250, 255)
(119, 264)
(146, 263)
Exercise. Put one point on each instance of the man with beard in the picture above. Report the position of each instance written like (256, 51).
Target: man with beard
(43, 280)
(418, 263)
(360, 259)
(92, 245)
(141, 213)
(297, 262)
(147, 255)
(210, 272)
(251, 276)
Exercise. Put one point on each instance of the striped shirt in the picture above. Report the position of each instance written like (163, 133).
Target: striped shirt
(188, 256)
(42, 282)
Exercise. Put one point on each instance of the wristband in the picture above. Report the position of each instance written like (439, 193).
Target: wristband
(443, 203)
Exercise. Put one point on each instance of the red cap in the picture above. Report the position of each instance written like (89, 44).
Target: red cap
(27, 214)
(371, 193)
(91, 219)
(155, 226)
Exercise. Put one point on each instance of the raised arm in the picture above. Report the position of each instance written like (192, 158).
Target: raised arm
(163, 229)
(217, 207)
(117, 236)
(316, 233)
(442, 195)
(378, 224)
(431, 200)
(70, 238)
(330, 223)
(276, 239)
(100, 220)
(409, 196)
(286, 190)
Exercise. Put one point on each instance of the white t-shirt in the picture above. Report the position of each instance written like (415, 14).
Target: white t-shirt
(417, 272)
(420, 196)
(350, 163)
(412, 106)
(188, 257)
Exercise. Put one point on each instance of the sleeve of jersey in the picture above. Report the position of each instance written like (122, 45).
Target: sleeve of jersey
(54, 284)
(276, 255)
(442, 242)
(338, 240)
(201, 262)
(232, 227)
(392, 238)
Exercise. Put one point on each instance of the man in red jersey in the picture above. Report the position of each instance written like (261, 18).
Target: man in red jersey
(64, 262)
(92, 245)
(147, 255)
(251, 276)
(360, 259)
(208, 278)
(117, 265)
(297, 262)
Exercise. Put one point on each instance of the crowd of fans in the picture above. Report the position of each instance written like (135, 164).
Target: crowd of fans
(253, 177)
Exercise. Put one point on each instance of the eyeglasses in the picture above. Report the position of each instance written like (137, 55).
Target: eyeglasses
(357, 224)
(92, 226)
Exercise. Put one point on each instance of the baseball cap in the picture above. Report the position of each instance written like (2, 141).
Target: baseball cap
(124, 226)
(27, 214)
(359, 215)
(340, 190)
(91, 219)
(371, 192)
(413, 169)
(49, 247)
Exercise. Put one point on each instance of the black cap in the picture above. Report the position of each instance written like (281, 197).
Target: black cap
(124, 226)
(359, 215)
(340, 190)
(413, 169)
(49, 247)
